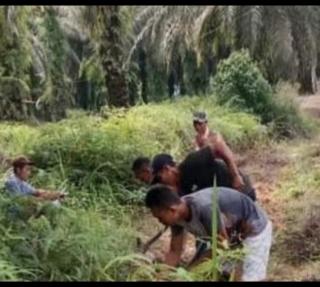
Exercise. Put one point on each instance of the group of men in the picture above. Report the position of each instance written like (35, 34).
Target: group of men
(180, 196)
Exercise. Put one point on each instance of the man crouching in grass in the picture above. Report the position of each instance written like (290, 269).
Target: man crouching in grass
(16, 184)
(193, 213)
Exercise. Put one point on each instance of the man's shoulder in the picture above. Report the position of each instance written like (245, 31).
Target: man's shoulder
(11, 179)
(203, 195)
(230, 198)
(199, 197)
(12, 184)
(16, 185)
(213, 134)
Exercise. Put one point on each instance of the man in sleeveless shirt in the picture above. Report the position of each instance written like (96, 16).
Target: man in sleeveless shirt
(207, 138)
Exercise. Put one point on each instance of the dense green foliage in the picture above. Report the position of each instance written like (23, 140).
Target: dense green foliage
(91, 157)
(62, 72)
(55, 58)
(86, 150)
(239, 82)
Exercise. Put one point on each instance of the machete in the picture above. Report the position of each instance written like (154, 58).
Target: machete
(147, 245)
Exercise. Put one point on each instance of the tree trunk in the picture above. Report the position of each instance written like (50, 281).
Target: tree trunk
(112, 56)
(318, 66)
(180, 76)
(304, 44)
(171, 82)
(133, 92)
(143, 75)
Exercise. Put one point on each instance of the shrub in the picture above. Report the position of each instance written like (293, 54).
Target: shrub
(239, 81)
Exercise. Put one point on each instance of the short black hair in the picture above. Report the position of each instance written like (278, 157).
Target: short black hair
(140, 162)
(161, 196)
(160, 160)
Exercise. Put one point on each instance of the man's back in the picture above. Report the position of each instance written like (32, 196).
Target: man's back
(236, 211)
(198, 170)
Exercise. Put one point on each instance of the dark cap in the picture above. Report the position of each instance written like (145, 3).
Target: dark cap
(21, 162)
(160, 160)
(200, 117)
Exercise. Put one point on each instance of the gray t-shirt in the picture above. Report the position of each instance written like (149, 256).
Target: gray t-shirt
(236, 212)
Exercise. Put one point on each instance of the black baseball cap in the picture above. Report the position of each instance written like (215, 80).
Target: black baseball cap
(160, 160)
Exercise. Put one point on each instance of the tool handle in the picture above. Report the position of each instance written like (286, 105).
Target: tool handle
(153, 239)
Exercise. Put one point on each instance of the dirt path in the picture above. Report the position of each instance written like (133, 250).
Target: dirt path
(310, 104)
(264, 167)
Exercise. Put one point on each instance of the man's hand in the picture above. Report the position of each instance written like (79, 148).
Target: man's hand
(224, 244)
(238, 183)
(172, 258)
(49, 195)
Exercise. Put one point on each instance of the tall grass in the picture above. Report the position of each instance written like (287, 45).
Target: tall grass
(99, 152)
(94, 154)
(299, 242)
(92, 237)
(288, 120)
(65, 244)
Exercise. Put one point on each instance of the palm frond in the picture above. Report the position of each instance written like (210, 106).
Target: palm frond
(248, 23)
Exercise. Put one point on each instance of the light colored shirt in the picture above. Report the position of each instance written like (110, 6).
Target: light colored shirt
(18, 187)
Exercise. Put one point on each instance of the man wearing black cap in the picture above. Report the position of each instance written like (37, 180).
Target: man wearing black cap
(197, 171)
(219, 148)
(16, 183)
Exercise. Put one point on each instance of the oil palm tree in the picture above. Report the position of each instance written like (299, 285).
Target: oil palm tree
(281, 38)
(107, 25)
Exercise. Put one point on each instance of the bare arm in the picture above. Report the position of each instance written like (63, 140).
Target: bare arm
(47, 195)
(172, 258)
(221, 150)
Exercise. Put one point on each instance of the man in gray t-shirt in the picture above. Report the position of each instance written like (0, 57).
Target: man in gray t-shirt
(193, 213)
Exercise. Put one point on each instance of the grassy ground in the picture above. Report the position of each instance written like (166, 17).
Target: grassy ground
(296, 253)
(94, 236)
